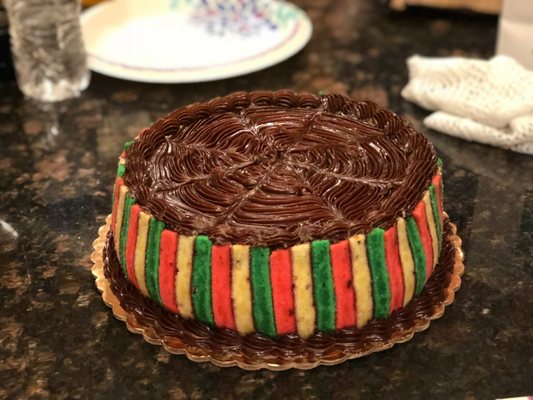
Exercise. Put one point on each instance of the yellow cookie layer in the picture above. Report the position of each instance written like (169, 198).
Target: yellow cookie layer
(362, 281)
(140, 251)
(303, 290)
(241, 290)
(408, 265)
(183, 277)
(432, 228)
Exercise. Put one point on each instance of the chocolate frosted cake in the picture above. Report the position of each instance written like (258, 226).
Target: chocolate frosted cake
(275, 214)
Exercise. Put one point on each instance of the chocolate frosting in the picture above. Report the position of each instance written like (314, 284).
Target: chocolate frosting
(225, 344)
(279, 168)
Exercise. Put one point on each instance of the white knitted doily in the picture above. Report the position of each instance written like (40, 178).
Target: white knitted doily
(489, 102)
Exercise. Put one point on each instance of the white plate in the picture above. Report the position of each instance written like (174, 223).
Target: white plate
(174, 41)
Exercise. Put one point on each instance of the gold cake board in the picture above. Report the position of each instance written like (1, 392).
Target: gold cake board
(173, 344)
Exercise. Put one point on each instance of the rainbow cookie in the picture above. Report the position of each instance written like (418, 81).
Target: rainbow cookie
(277, 213)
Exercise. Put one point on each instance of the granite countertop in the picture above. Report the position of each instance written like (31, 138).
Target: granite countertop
(58, 339)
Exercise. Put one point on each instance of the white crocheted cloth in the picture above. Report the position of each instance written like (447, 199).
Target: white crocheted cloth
(489, 102)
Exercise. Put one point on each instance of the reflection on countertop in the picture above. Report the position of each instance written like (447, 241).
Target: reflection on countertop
(58, 339)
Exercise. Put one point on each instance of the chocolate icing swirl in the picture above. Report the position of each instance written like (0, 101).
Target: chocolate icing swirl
(225, 344)
(279, 168)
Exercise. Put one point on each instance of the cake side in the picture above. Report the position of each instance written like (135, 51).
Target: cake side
(325, 284)
(315, 286)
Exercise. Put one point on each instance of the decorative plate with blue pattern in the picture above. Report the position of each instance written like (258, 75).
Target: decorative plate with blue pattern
(175, 41)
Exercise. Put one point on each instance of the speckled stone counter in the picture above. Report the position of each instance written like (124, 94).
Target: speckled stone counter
(57, 338)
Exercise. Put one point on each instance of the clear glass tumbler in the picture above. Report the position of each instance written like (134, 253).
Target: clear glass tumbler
(47, 47)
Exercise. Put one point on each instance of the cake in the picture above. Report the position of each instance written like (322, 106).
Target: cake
(277, 215)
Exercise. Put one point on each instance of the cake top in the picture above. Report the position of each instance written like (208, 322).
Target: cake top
(279, 168)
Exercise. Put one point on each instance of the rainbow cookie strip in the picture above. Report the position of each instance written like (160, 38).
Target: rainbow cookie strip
(309, 287)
